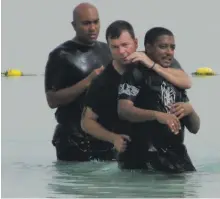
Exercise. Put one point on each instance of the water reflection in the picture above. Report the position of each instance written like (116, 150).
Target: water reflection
(96, 179)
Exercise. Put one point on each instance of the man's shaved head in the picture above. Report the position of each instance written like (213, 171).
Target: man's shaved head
(81, 8)
(86, 23)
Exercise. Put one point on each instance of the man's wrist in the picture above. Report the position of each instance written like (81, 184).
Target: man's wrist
(156, 67)
(153, 65)
(154, 115)
(87, 81)
(112, 137)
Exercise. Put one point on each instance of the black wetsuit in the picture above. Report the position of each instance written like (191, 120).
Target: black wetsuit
(153, 144)
(68, 64)
(102, 99)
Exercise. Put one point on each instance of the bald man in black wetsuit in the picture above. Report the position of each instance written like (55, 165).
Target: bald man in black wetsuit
(69, 71)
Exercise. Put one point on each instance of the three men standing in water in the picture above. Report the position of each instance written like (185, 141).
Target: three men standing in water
(75, 77)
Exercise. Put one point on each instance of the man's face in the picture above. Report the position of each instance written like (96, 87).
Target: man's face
(87, 25)
(122, 47)
(162, 51)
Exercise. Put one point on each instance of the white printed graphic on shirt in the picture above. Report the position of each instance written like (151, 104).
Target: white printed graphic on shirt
(128, 90)
(168, 96)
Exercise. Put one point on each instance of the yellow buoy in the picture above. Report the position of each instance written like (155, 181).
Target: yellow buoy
(204, 71)
(13, 72)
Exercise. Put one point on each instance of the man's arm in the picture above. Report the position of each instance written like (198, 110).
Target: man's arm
(192, 122)
(174, 75)
(55, 75)
(128, 91)
(66, 95)
(89, 120)
(90, 125)
(92, 108)
(185, 111)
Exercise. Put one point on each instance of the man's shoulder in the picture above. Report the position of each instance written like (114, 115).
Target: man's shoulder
(175, 64)
(134, 72)
(67, 45)
(102, 45)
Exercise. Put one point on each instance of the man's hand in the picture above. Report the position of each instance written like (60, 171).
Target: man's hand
(170, 120)
(140, 57)
(95, 73)
(181, 109)
(120, 142)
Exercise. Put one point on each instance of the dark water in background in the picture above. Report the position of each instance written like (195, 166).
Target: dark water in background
(29, 167)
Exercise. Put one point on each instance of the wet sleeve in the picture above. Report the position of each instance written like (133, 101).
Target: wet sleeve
(175, 64)
(93, 98)
(55, 73)
(129, 87)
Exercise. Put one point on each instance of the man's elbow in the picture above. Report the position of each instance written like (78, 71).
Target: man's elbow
(87, 126)
(123, 109)
(195, 129)
(189, 84)
(50, 100)
(121, 114)
(83, 124)
(51, 104)
(185, 81)
(185, 85)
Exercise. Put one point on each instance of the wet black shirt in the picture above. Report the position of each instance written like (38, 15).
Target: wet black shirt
(147, 90)
(102, 97)
(68, 64)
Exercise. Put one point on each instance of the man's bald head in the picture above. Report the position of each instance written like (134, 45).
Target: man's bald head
(82, 8)
(86, 22)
